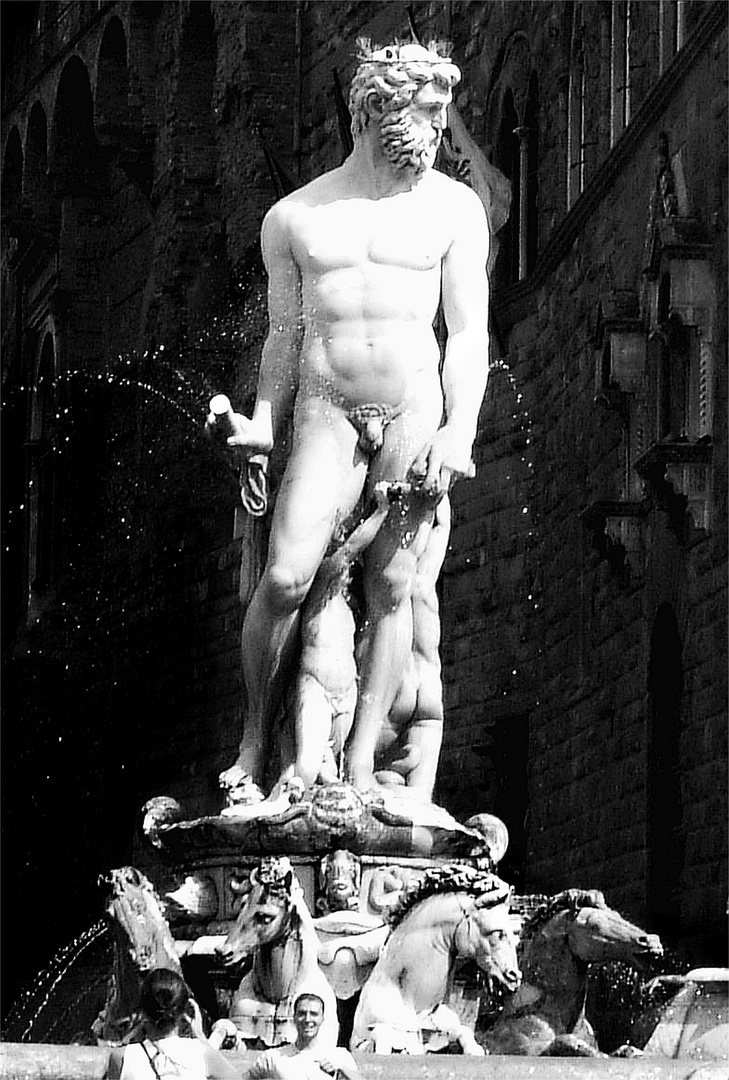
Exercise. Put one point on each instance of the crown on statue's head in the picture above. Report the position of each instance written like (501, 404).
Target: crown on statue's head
(403, 54)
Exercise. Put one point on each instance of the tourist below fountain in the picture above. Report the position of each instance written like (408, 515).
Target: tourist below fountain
(309, 1058)
(168, 1016)
(358, 262)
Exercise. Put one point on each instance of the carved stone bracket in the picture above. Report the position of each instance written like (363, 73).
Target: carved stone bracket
(674, 238)
(615, 528)
(677, 478)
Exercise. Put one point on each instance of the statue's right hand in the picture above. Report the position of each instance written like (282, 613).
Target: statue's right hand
(253, 436)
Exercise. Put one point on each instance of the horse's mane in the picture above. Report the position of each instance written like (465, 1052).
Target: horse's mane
(451, 878)
(569, 900)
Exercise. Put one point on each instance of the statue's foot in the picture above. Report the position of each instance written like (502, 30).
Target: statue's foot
(364, 781)
(240, 788)
(286, 793)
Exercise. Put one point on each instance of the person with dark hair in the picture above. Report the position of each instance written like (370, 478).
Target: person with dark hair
(308, 1058)
(173, 1042)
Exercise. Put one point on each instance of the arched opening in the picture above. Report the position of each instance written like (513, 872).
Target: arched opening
(665, 841)
(112, 85)
(74, 151)
(36, 152)
(531, 123)
(195, 101)
(12, 177)
(37, 194)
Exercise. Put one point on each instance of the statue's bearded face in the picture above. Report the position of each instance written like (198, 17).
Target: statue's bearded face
(410, 136)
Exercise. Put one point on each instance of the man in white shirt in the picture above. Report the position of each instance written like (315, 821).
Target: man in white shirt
(308, 1058)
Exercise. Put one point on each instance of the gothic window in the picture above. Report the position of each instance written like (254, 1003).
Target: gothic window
(671, 29)
(619, 69)
(508, 160)
(576, 122)
(531, 177)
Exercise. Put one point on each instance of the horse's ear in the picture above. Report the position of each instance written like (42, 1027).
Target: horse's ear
(288, 880)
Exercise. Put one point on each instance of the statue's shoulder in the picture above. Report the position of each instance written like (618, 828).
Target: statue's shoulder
(322, 189)
(458, 195)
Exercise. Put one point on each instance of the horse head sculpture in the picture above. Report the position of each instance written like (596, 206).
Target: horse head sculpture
(598, 935)
(455, 912)
(142, 941)
(486, 935)
(271, 905)
(572, 930)
(275, 927)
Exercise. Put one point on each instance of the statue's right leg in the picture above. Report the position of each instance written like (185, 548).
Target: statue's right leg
(322, 482)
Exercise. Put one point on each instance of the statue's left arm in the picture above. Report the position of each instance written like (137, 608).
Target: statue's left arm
(465, 298)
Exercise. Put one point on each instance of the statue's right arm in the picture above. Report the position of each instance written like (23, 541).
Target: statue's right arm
(279, 370)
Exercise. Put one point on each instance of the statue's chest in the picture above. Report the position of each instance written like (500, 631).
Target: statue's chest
(358, 232)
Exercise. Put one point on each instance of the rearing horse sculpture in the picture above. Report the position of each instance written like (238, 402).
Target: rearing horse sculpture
(275, 927)
(562, 938)
(142, 941)
(454, 913)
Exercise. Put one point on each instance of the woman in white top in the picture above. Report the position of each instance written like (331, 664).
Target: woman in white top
(174, 1044)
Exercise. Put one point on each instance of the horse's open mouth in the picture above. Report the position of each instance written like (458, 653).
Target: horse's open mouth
(232, 959)
(646, 956)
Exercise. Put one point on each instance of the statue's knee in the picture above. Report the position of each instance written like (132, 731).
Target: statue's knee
(395, 587)
(285, 588)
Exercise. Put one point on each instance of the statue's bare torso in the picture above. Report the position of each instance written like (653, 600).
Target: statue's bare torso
(370, 277)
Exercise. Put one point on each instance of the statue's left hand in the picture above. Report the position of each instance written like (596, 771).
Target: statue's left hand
(446, 458)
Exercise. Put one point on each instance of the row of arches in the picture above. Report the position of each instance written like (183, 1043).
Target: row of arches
(63, 154)
(102, 108)
(85, 174)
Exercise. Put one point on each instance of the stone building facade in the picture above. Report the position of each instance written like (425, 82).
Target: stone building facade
(584, 594)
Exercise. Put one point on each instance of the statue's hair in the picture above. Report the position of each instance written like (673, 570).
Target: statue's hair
(392, 82)
(454, 877)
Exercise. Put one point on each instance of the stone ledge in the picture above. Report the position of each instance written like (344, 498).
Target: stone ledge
(45, 1061)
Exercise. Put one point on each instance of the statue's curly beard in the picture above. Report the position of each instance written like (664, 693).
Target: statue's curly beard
(404, 144)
